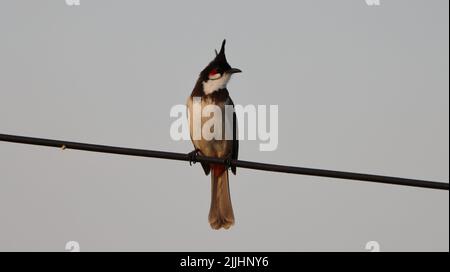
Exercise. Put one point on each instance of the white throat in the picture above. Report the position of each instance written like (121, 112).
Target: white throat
(213, 85)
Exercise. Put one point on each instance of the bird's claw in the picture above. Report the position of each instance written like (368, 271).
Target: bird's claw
(228, 162)
(193, 157)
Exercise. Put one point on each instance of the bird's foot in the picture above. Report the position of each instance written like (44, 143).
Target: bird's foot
(228, 161)
(193, 156)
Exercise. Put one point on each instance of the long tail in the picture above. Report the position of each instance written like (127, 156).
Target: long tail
(221, 212)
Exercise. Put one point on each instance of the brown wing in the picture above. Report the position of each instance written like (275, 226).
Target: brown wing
(235, 149)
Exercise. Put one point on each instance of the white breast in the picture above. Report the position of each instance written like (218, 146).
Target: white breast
(213, 85)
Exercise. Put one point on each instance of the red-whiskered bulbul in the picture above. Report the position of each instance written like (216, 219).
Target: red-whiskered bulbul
(211, 87)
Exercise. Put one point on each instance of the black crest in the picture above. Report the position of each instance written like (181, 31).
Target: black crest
(219, 63)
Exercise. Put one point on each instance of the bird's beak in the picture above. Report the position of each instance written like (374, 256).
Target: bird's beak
(234, 70)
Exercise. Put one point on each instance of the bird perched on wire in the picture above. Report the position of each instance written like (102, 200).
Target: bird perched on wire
(211, 90)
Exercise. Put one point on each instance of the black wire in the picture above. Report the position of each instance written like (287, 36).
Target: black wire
(237, 163)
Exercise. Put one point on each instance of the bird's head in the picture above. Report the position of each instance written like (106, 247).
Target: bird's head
(216, 75)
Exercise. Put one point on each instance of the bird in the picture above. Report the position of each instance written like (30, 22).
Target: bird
(211, 89)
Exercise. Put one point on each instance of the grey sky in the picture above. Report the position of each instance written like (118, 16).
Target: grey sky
(359, 88)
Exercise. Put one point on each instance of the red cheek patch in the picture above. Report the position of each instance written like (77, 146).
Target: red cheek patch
(213, 72)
